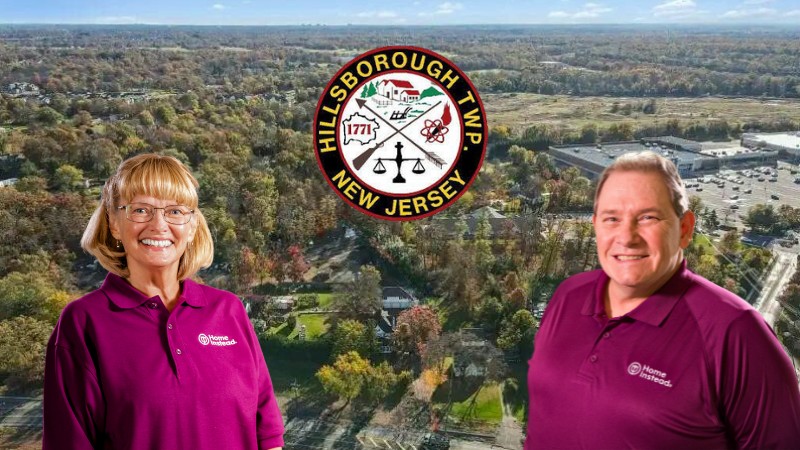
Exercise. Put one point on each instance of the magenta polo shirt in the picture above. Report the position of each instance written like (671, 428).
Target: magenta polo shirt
(124, 373)
(692, 367)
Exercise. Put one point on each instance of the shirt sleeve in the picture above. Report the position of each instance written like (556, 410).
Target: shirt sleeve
(760, 398)
(269, 422)
(74, 408)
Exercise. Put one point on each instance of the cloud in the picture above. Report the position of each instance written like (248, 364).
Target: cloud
(378, 14)
(757, 2)
(678, 9)
(218, 6)
(448, 8)
(793, 13)
(749, 13)
(115, 20)
(589, 11)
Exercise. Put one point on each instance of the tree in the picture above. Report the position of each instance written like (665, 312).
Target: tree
(48, 116)
(351, 335)
(68, 179)
(415, 328)
(31, 294)
(372, 90)
(347, 377)
(23, 343)
(351, 376)
(513, 330)
(244, 271)
(360, 299)
(297, 264)
(763, 219)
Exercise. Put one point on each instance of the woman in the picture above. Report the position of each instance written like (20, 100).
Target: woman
(153, 359)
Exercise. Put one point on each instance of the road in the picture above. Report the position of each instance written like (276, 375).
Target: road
(775, 283)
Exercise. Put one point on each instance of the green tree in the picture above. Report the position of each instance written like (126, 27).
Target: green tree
(360, 299)
(23, 343)
(68, 179)
(512, 330)
(351, 335)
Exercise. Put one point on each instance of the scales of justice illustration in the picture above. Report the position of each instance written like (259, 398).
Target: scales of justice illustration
(432, 133)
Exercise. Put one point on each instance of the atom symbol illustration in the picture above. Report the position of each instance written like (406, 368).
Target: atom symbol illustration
(434, 131)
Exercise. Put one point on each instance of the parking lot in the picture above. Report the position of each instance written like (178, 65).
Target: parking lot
(723, 199)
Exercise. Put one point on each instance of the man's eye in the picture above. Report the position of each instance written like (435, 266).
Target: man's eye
(649, 218)
(611, 219)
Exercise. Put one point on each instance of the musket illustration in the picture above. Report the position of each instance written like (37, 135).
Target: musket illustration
(361, 159)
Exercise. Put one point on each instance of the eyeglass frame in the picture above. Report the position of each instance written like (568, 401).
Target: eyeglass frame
(163, 213)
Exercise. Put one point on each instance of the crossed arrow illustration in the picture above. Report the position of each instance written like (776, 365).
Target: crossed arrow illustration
(361, 159)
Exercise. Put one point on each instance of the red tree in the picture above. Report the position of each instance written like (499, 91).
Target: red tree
(415, 327)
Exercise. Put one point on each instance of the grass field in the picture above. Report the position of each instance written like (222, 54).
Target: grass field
(315, 325)
(486, 410)
(520, 110)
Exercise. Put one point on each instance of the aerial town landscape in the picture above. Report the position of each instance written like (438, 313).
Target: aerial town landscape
(378, 334)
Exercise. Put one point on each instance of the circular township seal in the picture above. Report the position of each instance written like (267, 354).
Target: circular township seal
(203, 339)
(634, 368)
(400, 133)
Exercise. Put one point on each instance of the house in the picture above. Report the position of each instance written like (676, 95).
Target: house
(409, 95)
(395, 300)
(392, 89)
(284, 303)
(499, 223)
(467, 368)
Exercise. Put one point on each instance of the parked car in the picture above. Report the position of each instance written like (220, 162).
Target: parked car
(748, 191)
(432, 441)
(774, 197)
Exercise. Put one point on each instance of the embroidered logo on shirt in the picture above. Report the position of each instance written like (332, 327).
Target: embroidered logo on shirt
(215, 340)
(648, 373)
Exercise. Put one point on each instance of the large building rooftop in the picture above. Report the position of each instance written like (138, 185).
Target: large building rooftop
(787, 141)
(604, 155)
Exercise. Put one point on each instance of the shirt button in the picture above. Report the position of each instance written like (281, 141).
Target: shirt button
(592, 358)
(170, 327)
(178, 351)
(606, 335)
(153, 305)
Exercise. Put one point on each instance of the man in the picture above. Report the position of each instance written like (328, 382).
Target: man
(645, 353)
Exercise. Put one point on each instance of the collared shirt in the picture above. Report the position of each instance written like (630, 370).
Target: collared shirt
(123, 372)
(693, 366)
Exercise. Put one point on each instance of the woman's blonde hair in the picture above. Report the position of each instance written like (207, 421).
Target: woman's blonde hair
(162, 177)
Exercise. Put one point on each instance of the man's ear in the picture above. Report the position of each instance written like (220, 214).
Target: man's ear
(687, 228)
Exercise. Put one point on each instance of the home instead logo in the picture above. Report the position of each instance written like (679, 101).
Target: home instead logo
(648, 373)
(215, 340)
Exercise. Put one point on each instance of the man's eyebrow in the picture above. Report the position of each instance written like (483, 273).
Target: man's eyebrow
(642, 211)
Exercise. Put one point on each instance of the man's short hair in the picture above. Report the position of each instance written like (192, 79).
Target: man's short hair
(649, 162)
(162, 177)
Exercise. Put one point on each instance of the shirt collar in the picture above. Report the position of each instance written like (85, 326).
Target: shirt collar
(652, 311)
(126, 296)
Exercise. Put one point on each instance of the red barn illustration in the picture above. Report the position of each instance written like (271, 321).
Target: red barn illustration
(398, 90)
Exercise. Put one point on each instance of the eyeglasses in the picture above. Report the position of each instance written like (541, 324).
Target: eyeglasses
(144, 212)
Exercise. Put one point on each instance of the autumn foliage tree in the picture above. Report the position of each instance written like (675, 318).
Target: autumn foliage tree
(415, 328)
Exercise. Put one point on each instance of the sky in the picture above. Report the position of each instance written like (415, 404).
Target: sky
(403, 12)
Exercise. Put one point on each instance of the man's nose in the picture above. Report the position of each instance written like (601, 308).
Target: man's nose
(628, 233)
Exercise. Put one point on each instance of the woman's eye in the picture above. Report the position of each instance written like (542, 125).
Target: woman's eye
(140, 211)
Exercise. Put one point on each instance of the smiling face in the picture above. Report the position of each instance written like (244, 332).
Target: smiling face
(155, 245)
(639, 235)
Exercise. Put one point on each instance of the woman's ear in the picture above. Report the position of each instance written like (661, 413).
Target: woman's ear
(113, 224)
